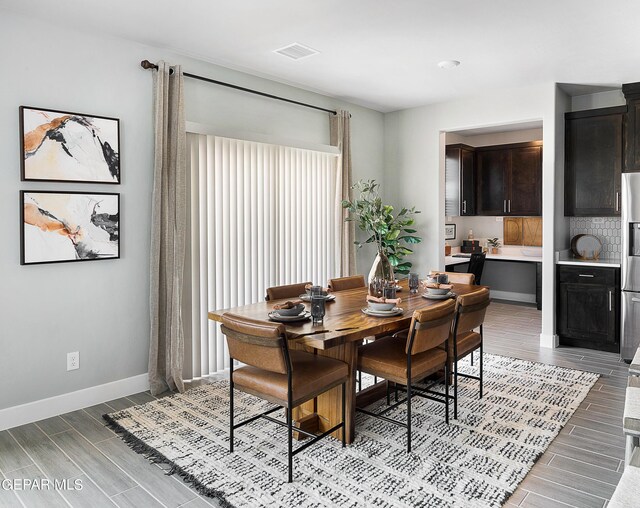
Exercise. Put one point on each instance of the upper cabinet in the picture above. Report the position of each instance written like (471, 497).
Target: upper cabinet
(509, 179)
(593, 162)
(460, 180)
(631, 93)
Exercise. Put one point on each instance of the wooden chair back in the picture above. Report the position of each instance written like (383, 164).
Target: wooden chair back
(256, 343)
(460, 277)
(430, 327)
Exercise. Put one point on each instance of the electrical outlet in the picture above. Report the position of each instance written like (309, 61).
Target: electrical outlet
(73, 360)
(499, 219)
(597, 220)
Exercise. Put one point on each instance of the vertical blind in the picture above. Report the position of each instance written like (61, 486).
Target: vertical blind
(261, 215)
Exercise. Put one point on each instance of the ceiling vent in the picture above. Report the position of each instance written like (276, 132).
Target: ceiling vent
(296, 51)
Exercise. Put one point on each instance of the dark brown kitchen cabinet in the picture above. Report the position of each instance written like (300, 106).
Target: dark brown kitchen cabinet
(631, 93)
(509, 179)
(588, 306)
(460, 180)
(593, 162)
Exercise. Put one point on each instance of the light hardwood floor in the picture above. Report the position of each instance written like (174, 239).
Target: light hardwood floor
(580, 468)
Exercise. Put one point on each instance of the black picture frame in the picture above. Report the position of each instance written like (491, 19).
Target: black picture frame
(54, 225)
(449, 231)
(100, 159)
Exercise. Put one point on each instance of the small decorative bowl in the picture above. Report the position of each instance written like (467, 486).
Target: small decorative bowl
(438, 291)
(293, 311)
(377, 306)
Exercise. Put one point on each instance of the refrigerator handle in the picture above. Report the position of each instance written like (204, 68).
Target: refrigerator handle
(609, 300)
(617, 201)
(635, 300)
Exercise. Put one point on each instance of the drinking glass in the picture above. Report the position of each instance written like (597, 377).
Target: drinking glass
(315, 291)
(317, 308)
(389, 291)
(414, 282)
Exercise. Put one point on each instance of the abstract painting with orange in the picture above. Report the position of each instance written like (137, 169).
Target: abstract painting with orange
(69, 147)
(69, 226)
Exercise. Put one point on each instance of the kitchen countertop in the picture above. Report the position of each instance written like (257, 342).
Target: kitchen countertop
(567, 258)
(505, 254)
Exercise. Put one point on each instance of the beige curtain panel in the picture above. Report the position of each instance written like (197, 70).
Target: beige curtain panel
(168, 227)
(340, 131)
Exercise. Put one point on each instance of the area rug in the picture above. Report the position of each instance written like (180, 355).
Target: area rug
(476, 461)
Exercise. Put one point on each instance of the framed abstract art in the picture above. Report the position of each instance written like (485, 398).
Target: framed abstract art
(69, 147)
(69, 226)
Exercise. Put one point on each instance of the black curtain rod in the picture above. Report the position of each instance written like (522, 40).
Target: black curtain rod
(146, 64)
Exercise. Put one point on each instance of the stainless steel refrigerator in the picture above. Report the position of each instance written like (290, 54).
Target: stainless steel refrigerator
(630, 301)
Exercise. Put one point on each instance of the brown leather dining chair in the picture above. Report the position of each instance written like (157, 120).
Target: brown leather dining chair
(274, 373)
(470, 313)
(344, 283)
(424, 352)
(461, 278)
(288, 291)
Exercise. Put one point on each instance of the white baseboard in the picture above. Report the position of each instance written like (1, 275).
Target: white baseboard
(549, 341)
(60, 404)
(513, 297)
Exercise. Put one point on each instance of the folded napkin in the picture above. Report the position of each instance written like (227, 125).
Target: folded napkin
(287, 305)
(375, 299)
(435, 285)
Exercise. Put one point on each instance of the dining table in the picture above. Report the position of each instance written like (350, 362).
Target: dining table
(339, 335)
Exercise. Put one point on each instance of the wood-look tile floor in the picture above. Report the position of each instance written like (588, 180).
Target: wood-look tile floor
(581, 467)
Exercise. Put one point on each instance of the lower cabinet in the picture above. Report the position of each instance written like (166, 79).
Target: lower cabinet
(588, 307)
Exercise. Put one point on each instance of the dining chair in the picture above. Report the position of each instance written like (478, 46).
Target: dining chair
(288, 291)
(343, 283)
(424, 352)
(460, 277)
(286, 378)
(470, 313)
(476, 265)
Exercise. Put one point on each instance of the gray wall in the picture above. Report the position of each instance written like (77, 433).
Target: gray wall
(101, 308)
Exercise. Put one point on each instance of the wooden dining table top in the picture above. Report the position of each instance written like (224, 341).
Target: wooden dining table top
(344, 320)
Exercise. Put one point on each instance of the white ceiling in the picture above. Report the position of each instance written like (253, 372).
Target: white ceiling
(381, 53)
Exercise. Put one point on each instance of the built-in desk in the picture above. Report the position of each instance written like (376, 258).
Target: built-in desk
(511, 254)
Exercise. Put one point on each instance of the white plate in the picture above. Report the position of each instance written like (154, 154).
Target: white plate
(383, 313)
(437, 297)
(306, 298)
(274, 316)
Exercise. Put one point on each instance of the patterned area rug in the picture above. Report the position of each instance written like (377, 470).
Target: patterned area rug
(476, 461)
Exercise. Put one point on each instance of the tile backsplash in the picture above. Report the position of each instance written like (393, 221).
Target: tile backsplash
(609, 232)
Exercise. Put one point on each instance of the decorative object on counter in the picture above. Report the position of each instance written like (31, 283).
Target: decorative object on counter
(608, 229)
(494, 243)
(586, 246)
(532, 231)
(449, 231)
(447, 249)
(69, 226)
(391, 233)
(512, 230)
(470, 236)
(470, 246)
(69, 147)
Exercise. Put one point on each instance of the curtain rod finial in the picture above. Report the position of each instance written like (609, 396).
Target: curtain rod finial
(146, 64)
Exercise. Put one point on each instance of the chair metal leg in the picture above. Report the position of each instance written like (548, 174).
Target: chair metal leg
(481, 367)
(396, 387)
(359, 380)
(408, 414)
(472, 358)
(446, 393)
(231, 407)
(455, 389)
(290, 435)
(388, 395)
(344, 413)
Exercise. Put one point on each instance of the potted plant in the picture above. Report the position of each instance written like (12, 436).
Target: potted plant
(494, 244)
(391, 233)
